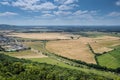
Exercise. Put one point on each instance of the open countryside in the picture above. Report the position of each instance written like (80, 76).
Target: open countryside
(71, 46)
(59, 39)
(91, 53)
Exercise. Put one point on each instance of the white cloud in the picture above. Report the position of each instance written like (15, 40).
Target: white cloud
(66, 1)
(65, 7)
(47, 15)
(40, 5)
(114, 14)
(62, 13)
(118, 3)
(46, 12)
(79, 12)
(85, 14)
(70, 1)
(8, 14)
(59, 1)
(5, 3)
(34, 5)
(47, 5)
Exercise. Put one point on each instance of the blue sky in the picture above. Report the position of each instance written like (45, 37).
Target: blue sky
(60, 12)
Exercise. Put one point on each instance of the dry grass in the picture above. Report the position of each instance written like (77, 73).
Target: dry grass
(25, 54)
(74, 49)
(104, 44)
(78, 49)
(42, 36)
(31, 56)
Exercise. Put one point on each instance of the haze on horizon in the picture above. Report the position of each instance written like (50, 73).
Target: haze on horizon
(60, 12)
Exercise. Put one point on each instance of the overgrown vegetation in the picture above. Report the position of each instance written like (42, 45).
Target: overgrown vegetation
(20, 69)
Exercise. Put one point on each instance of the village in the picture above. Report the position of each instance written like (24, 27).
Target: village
(10, 44)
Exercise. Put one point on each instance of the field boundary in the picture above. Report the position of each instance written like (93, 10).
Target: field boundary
(77, 63)
(95, 55)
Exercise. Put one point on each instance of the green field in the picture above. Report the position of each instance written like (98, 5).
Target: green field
(38, 45)
(110, 59)
(96, 34)
(62, 64)
(52, 61)
(19, 53)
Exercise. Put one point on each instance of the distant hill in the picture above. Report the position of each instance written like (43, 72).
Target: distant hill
(63, 28)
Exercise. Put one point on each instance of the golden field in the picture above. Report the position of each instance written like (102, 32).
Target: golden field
(42, 36)
(73, 49)
(76, 48)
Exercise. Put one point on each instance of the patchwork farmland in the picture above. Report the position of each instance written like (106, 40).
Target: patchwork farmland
(69, 45)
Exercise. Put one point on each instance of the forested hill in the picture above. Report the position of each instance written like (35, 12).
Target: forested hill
(19, 69)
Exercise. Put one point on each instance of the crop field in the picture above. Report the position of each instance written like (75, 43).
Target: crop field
(104, 44)
(37, 45)
(73, 49)
(110, 59)
(76, 48)
(24, 54)
(42, 36)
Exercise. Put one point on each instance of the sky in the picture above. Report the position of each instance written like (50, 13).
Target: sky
(60, 12)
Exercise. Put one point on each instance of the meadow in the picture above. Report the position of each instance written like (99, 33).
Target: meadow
(110, 59)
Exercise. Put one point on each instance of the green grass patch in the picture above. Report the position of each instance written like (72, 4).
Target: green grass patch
(110, 59)
(62, 64)
(52, 61)
(19, 53)
(38, 45)
(95, 34)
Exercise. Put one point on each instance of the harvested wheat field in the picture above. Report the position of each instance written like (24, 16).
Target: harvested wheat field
(26, 54)
(42, 36)
(104, 44)
(78, 49)
(74, 49)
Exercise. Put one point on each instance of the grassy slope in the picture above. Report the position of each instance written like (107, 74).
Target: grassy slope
(20, 53)
(110, 59)
(52, 61)
(61, 64)
(17, 69)
(40, 46)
